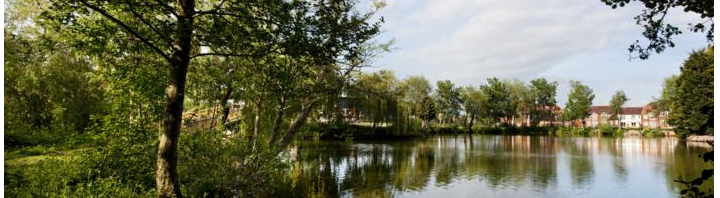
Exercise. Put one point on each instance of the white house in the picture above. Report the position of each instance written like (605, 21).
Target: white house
(631, 117)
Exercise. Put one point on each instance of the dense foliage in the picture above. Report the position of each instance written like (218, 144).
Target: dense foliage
(579, 101)
(692, 100)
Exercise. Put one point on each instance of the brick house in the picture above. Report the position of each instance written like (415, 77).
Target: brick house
(598, 115)
(654, 120)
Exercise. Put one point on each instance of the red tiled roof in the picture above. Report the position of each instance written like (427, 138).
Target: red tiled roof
(607, 110)
(600, 109)
(632, 110)
(650, 107)
(554, 109)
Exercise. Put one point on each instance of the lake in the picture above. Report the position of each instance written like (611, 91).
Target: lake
(456, 166)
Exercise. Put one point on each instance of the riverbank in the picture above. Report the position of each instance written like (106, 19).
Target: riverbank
(323, 131)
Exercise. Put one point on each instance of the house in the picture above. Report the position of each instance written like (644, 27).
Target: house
(631, 117)
(555, 118)
(598, 115)
(652, 119)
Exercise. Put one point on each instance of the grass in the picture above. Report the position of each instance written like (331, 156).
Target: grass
(35, 154)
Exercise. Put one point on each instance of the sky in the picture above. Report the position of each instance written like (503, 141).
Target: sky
(468, 41)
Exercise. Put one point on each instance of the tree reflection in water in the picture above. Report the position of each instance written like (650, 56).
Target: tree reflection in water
(485, 165)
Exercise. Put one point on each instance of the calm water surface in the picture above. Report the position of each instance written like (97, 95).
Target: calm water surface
(496, 166)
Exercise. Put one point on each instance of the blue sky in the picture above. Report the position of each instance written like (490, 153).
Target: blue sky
(468, 41)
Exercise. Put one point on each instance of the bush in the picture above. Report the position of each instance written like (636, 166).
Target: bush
(606, 129)
(651, 132)
(66, 178)
(214, 165)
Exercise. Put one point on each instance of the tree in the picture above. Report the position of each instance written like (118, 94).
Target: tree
(47, 91)
(667, 95)
(448, 99)
(692, 106)
(426, 112)
(472, 102)
(416, 88)
(497, 100)
(616, 106)
(378, 93)
(519, 101)
(579, 101)
(50, 89)
(181, 31)
(658, 32)
(542, 94)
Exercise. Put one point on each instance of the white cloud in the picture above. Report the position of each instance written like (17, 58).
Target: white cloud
(508, 39)
(467, 41)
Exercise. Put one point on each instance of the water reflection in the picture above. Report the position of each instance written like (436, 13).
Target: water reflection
(495, 166)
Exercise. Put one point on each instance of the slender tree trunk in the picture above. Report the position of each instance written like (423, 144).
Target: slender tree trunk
(425, 126)
(226, 107)
(256, 125)
(299, 121)
(213, 116)
(278, 121)
(166, 176)
(470, 124)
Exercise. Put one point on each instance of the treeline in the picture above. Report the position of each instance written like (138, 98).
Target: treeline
(413, 106)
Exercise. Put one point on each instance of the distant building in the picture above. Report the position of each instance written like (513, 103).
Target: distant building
(598, 115)
(654, 120)
(555, 117)
(631, 117)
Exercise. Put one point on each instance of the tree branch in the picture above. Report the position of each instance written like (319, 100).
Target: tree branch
(137, 15)
(232, 54)
(126, 27)
(166, 6)
(215, 12)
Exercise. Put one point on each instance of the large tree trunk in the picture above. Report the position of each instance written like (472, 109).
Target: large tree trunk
(166, 176)
(225, 106)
